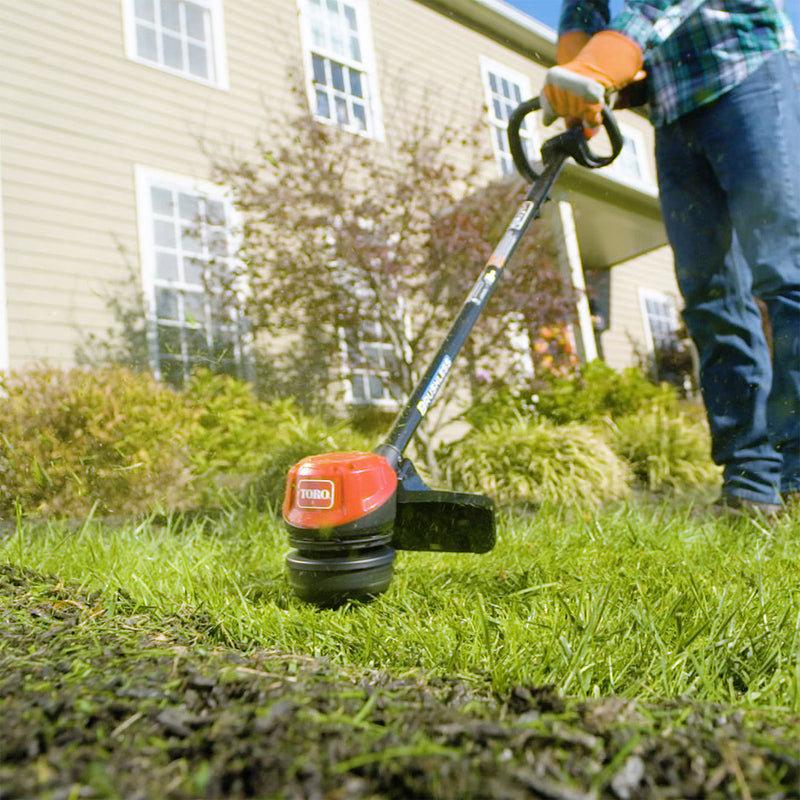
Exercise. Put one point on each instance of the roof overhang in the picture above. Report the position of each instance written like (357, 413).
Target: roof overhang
(614, 221)
(504, 23)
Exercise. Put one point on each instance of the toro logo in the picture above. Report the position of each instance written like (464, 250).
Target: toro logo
(315, 494)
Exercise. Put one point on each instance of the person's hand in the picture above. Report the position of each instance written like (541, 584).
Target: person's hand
(576, 89)
(570, 44)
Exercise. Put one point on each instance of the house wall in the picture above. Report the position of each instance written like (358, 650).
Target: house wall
(77, 117)
(627, 330)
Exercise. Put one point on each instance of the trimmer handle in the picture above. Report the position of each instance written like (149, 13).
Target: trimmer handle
(570, 143)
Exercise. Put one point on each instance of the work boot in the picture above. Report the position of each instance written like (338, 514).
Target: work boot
(735, 506)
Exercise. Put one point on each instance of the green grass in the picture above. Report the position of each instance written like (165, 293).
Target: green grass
(637, 600)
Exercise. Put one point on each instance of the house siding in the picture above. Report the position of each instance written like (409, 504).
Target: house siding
(77, 117)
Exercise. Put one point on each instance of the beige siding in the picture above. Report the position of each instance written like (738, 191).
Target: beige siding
(76, 116)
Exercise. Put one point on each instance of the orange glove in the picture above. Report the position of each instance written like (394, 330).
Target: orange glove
(577, 89)
(570, 44)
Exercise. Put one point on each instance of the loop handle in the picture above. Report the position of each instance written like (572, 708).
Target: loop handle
(570, 143)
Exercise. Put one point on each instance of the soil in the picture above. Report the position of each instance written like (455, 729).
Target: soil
(99, 703)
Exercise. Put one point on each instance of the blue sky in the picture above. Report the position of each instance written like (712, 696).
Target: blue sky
(547, 11)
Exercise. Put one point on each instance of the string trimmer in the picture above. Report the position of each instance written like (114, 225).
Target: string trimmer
(348, 512)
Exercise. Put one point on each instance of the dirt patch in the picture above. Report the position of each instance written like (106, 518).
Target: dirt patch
(98, 703)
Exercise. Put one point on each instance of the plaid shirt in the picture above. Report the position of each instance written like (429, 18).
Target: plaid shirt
(694, 50)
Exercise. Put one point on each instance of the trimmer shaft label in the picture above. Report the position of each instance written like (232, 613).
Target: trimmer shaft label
(434, 385)
(314, 494)
(521, 217)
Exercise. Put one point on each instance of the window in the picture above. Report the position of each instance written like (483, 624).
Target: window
(370, 363)
(180, 36)
(660, 317)
(631, 165)
(505, 90)
(187, 259)
(340, 64)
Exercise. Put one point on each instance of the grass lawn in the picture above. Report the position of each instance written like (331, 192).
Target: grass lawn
(659, 622)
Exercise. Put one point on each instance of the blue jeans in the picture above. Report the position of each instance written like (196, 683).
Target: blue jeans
(729, 180)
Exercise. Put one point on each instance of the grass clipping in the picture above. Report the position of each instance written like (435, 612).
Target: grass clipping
(537, 462)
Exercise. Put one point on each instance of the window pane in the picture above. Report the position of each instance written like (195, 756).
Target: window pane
(173, 51)
(144, 10)
(337, 76)
(194, 311)
(164, 233)
(197, 344)
(193, 271)
(375, 387)
(189, 207)
(357, 385)
(166, 304)
(355, 49)
(146, 43)
(190, 239)
(198, 61)
(215, 212)
(341, 111)
(171, 15)
(318, 66)
(162, 201)
(360, 115)
(323, 107)
(169, 339)
(350, 16)
(355, 83)
(166, 266)
(195, 21)
(218, 243)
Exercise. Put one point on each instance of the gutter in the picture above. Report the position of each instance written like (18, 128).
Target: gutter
(505, 24)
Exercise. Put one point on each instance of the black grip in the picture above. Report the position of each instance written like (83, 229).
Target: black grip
(571, 143)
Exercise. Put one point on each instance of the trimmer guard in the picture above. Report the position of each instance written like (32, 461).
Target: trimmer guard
(453, 522)
(432, 520)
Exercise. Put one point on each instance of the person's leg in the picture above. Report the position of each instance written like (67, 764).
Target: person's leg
(758, 166)
(720, 313)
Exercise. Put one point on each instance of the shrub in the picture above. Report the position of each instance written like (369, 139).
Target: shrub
(239, 435)
(594, 392)
(234, 429)
(111, 439)
(666, 451)
(535, 462)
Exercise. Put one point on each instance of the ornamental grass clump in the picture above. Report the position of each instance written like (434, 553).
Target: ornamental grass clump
(108, 440)
(667, 450)
(536, 462)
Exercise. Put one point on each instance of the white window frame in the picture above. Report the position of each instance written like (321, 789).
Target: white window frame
(147, 178)
(366, 65)
(633, 151)
(498, 125)
(217, 61)
(672, 316)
